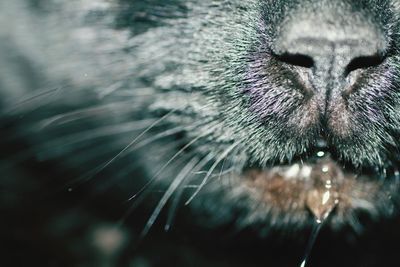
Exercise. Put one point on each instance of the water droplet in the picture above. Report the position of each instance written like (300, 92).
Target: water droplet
(325, 169)
(323, 196)
(313, 237)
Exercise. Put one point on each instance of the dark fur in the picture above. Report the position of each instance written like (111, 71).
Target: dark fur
(81, 80)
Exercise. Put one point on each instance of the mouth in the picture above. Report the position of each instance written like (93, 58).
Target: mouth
(324, 187)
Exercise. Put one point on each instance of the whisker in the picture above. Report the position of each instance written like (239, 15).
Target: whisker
(94, 133)
(191, 186)
(109, 90)
(223, 173)
(163, 134)
(174, 185)
(104, 166)
(237, 167)
(105, 131)
(37, 95)
(140, 196)
(93, 156)
(168, 133)
(212, 168)
(167, 164)
(174, 204)
(122, 172)
(142, 193)
(75, 115)
(222, 168)
(226, 171)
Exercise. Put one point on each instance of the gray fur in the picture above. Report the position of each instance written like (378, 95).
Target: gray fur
(82, 82)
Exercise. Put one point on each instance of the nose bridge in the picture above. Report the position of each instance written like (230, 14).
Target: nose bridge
(330, 60)
(311, 25)
(316, 35)
(329, 19)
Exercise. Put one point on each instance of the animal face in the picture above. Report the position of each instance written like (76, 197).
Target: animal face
(262, 114)
(293, 97)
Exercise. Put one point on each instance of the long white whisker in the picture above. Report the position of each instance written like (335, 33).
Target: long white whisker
(167, 164)
(171, 189)
(87, 175)
(123, 172)
(38, 95)
(92, 134)
(175, 202)
(132, 143)
(86, 112)
(222, 168)
(156, 175)
(212, 168)
(169, 132)
(147, 189)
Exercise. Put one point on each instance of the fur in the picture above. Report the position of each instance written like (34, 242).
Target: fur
(122, 99)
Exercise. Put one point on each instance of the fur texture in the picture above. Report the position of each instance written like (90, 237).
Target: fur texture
(166, 103)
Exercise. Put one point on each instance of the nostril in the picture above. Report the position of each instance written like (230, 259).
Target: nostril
(299, 60)
(364, 62)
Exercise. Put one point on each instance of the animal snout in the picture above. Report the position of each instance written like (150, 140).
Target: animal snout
(332, 53)
(332, 46)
